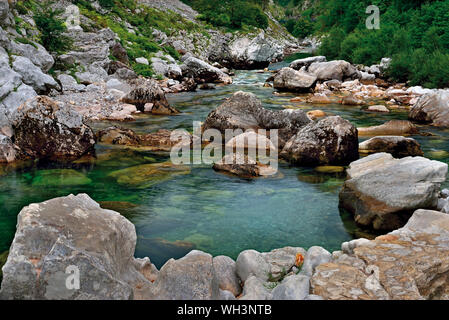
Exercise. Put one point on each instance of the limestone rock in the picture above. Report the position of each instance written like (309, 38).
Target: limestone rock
(58, 236)
(288, 79)
(398, 146)
(306, 62)
(330, 141)
(390, 128)
(226, 272)
(432, 108)
(44, 129)
(408, 264)
(189, 278)
(383, 192)
(334, 70)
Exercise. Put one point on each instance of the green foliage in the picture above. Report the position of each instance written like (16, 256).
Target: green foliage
(232, 14)
(414, 33)
(51, 28)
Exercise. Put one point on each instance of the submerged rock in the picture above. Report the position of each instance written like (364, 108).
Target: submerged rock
(45, 129)
(382, 192)
(59, 177)
(398, 146)
(243, 166)
(390, 128)
(60, 237)
(157, 141)
(331, 141)
(432, 108)
(147, 175)
(408, 264)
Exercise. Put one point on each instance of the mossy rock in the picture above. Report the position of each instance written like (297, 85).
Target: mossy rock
(201, 241)
(438, 154)
(330, 169)
(59, 177)
(148, 175)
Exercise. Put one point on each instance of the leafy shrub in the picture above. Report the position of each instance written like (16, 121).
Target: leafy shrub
(52, 29)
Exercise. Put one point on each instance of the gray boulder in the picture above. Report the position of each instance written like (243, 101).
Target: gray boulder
(334, 70)
(226, 271)
(252, 263)
(255, 289)
(295, 287)
(288, 79)
(45, 129)
(69, 83)
(432, 108)
(192, 277)
(331, 141)
(383, 192)
(244, 111)
(147, 91)
(32, 75)
(203, 72)
(314, 257)
(398, 146)
(35, 53)
(64, 237)
(306, 62)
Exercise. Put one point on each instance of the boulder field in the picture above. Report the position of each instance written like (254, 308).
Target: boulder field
(331, 140)
(73, 236)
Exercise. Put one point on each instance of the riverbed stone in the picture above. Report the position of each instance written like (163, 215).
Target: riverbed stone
(390, 128)
(295, 287)
(330, 141)
(45, 129)
(398, 146)
(313, 258)
(306, 62)
(288, 79)
(407, 264)
(255, 289)
(189, 278)
(334, 70)
(71, 232)
(432, 108)
(147, 91)
(244, 111)
(252, 263)
(226, 271)
(382, 192)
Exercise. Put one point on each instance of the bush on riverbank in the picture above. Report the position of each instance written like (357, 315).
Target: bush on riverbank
(233, 14)
(414, 33)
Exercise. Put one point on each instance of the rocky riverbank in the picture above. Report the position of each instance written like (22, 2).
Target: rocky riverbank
(74, 231)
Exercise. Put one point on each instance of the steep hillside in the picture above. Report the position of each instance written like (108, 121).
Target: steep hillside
(414, 33)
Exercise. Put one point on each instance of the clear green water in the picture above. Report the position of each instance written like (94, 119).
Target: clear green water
(175, 212)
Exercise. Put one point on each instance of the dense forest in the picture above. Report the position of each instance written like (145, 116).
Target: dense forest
(414, 33)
